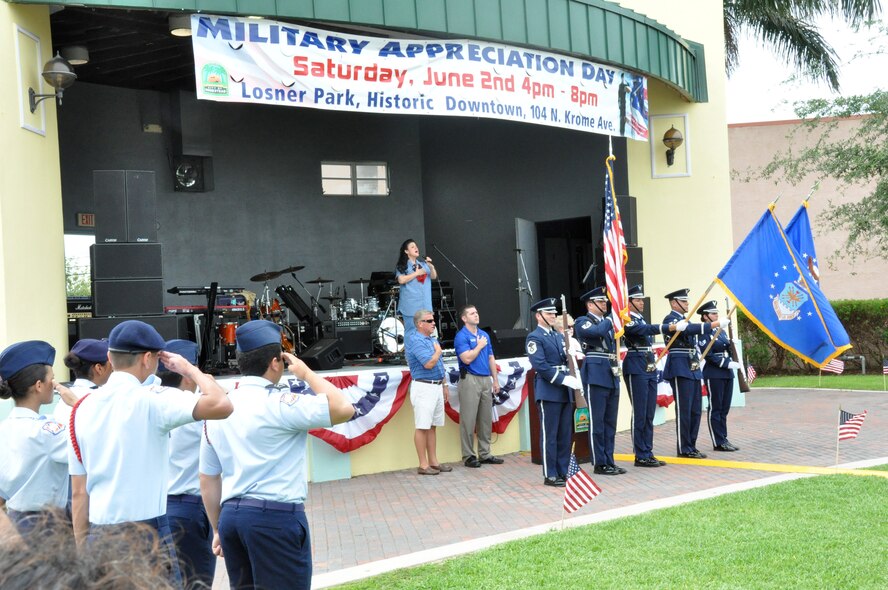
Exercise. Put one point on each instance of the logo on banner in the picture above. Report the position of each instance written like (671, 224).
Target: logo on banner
(214, 80)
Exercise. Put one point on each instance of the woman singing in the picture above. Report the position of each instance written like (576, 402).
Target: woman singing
(415, 277)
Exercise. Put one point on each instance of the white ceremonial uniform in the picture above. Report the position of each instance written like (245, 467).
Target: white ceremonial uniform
(34, 460)
(184, 459)
(260, 449)
(123, 432)
(80, 387)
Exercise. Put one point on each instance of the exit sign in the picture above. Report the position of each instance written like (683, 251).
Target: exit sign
(86, 220)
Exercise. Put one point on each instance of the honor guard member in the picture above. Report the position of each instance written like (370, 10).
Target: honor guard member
(600, 375)
(120, 437)
(253, 464)
(718, 374)
(33, 451)
(640, 374)
(683, 373)
(192, 534)
(553, 391)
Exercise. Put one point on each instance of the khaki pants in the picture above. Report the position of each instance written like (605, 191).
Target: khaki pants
(475, 414)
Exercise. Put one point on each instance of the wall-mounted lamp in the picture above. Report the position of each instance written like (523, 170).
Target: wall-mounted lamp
(59, 74)
(76, 55)
(672, 139)
(180, 25)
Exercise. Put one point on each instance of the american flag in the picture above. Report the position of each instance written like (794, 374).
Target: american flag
(579, 487)
(834, 366)
(750, 374)
(615, 256)
(849, 424)
(885, 367)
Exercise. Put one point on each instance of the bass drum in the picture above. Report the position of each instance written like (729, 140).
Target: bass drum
(390, 335)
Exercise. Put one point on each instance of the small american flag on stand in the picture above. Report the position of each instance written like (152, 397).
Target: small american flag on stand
(850, 424)
(834, 366)
(885, 367)
(750, 374)
(579, 487)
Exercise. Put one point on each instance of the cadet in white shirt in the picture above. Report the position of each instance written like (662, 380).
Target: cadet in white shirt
(252, 466)
(33, 451)
(88, 360)
(191, 529)
(120, 435)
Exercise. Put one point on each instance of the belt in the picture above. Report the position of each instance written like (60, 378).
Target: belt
(601, 355)
(264, 504)
(185, 498)
(683, 350)
(439, 382)
(641, 349)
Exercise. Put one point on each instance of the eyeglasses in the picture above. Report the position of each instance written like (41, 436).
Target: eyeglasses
(428, 321)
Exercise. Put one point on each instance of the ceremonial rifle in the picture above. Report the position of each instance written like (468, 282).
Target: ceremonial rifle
(581, 413)
(741, 376)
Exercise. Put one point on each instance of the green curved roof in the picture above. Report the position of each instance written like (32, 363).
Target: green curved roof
(593, 29)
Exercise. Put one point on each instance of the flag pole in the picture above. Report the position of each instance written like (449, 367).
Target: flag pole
(838, 425)
(819, 377)
(691, 311)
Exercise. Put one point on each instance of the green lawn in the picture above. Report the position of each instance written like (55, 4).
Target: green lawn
(820, 532)
(828, 381)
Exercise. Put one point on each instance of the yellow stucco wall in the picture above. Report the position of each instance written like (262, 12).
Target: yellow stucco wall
(32, 274)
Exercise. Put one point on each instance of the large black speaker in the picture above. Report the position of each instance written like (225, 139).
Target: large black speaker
(192, 174)
(127, 297)
(169, 326)
(629, 219)
(125, 261)
(448, 324)
(355, 336)
(125, 202)
(324, 355)
(507, 343)
(141, 209)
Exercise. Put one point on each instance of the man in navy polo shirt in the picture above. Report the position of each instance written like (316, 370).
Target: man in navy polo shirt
(477, 384)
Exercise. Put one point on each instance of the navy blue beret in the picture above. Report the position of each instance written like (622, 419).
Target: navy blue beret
(24, 354)
(91, 350)
(186, 348)
(547, 305)
(256, 334)
(135, 336)
(598, 293)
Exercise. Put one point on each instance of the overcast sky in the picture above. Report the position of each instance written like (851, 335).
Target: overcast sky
(761, 88)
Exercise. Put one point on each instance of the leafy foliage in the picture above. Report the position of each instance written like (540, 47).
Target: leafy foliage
(76, 279)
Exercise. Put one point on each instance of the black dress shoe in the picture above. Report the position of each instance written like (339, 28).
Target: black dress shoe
(725, 448)
(491, 460)
(555, 482)
(658, 461)
(647, 462)
(472, 462)
(693, 455)
(732, 445)
(619, 470)
(606, 470)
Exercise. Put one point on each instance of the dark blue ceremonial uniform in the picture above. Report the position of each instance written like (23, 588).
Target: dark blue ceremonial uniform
(640, 374)
(684, 375)
(601, 385)
(545, 351)
(720, 384)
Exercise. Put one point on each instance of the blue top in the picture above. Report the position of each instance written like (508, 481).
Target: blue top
(419, 350)
(34, 455)
(184, 459)
(717, 358)
(684, 350)
(596, 335)
(639, 339)
(415, 294)
(465, 341)
(545, 351)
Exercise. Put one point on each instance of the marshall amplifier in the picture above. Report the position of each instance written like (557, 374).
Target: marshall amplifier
(80, 307)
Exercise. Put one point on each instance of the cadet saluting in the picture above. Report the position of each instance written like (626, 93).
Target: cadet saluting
(553, 389)
(718, 372)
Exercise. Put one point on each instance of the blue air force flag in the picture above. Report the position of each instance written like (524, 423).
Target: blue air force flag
(798, 231)
(768, 279)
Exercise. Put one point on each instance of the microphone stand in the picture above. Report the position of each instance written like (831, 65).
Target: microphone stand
(466, 282)
(315, 306)
(523, 321)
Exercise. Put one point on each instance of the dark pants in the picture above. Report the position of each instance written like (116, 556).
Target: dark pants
(193, 538)
(688, 409)
(720, 393)
(604, 403)
(119, 533)
(556, 433)
(41, 521)
(643, 395)
(265, 548)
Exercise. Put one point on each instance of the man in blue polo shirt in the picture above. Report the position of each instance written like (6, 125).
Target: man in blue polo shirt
(477, 384)
(427, 390)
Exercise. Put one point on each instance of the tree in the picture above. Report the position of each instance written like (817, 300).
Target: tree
(861, 160)
(787, 26)
(76, 279)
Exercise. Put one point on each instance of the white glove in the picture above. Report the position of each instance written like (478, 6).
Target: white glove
(572, 382)
(681, 325)
(724, 323)
(734, 365)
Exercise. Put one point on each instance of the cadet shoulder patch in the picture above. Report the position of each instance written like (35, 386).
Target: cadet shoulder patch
(531, 347)
(587, 325)
(289, 398)
(53, 427)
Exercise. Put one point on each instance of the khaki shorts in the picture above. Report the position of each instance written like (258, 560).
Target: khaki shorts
(428, 404)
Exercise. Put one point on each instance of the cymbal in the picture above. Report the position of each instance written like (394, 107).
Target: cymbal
(291, 269)
(359, 282)
(332, 298)
(320, 281)
(265, 276)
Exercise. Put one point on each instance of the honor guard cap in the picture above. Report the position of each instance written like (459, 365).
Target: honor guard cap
(636, 292)
(544, 306)
(91, 350)
(24, 354)
(186, 348)
(681, 294)
(256, 334)
(708, 307)
(135, 336)
(596, 294)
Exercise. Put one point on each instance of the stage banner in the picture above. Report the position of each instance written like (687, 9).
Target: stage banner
(512, 378)
(261, 61)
